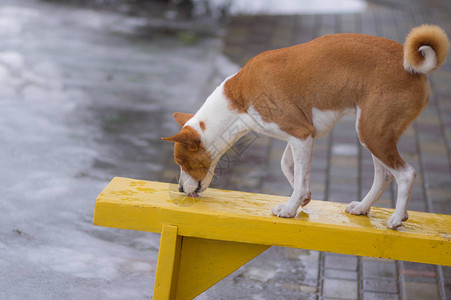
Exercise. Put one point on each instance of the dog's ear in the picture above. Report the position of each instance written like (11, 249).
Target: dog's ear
(182, 118)
(187, 136)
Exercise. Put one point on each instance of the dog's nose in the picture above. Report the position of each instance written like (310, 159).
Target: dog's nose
(180, 188)
(198, 188)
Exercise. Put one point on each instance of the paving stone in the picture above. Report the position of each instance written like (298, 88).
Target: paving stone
(447, 281)
(340, 289)
(375, 285)
(439, 194)
(418, 192)
(427, 279)
(384, 202)
(418, 206)
(420, 290)
(341, 262)
(320, 164)
(345, 149)
(343, 184)
(341, 274)
(318, 191)
(317, 176)
(416, 272)
(349, 22)
(337, 171)
(342, 197)
(379, 296)
(342, 161)
(410, 132)
(428, 118)
(419, 267)
(430, 134)
(300, 288)
(343, 172)
(436, 166)
(301, 254)
(441, 207)
(438, 180)
(378, 269)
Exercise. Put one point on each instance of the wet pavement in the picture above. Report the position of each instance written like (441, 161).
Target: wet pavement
(86, 95)
(342, 171)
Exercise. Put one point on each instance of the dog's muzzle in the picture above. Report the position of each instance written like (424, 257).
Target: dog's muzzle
(198, 189)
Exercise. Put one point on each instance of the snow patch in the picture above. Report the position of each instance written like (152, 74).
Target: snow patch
(286, 7)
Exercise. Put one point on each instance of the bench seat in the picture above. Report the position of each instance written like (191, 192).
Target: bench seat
(209, 228)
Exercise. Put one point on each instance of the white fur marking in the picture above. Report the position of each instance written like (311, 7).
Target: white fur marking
(382, 179)
(324, 120)
(259, 125)
(357, 122)
(287, 164)
(187, 182)
(405, 178)
(429, 63)
(219, 121)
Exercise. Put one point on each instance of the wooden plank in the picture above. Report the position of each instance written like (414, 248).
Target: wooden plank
(245, 217)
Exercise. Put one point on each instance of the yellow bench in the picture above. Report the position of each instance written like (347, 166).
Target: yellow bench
(205, 239)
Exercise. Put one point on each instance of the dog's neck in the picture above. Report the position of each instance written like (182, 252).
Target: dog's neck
(222, 126)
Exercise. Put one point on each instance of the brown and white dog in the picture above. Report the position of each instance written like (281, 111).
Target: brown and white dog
(314, 84)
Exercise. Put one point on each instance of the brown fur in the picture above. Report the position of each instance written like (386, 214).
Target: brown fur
(202, 125)
(429, 35)
(335, 72)
(189, 153)
(182, 118)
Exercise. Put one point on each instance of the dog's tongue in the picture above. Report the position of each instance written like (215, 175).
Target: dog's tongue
(194, 195)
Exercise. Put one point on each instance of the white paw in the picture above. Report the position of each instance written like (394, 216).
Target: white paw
(282, 210)
(396, 220)
(356, 208)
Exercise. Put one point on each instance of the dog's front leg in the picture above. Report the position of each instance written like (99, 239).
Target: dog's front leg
(302, 160)
(287, 164)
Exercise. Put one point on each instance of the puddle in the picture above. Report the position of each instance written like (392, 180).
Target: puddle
(84, 98)
(131, 143)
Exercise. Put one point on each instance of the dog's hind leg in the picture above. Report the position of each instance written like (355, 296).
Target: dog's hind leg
(302, 160)
(382, 178)
(379, 132)
(405, 178)
(287, 164)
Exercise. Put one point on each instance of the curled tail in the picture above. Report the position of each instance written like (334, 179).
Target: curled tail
(425, 49)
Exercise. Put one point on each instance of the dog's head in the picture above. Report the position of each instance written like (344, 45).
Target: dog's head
(191, 155)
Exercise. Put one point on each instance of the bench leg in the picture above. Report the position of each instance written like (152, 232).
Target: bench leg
(168, 264)
(188, 266)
